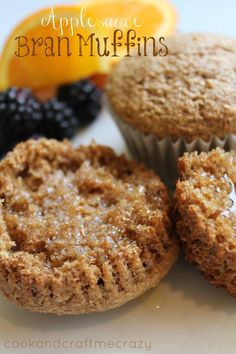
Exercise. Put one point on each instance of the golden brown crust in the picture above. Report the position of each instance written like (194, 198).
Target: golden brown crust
(189, 93)
(206, 214)
(81, 229)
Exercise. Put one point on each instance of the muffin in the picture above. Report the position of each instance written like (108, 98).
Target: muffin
(81, 229)
(206, 214)
(184, 101)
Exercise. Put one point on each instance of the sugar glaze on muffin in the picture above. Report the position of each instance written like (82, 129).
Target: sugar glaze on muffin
(81, 229)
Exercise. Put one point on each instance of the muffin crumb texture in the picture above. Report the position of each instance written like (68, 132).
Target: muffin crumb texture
(206, 214)
(81, 229)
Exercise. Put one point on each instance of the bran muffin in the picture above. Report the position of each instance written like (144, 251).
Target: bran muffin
(206, 214)
(82, 229)
(184, 101)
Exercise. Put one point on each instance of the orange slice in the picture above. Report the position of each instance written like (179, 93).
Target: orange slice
(40, 70)
(149, 18)
(154, 18)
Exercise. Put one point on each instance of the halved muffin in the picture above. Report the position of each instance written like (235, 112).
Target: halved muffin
(81, 229)
(206, 214)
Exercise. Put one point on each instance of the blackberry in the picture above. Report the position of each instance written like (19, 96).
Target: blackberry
(85, 99)
(58, 120)
(20, 114)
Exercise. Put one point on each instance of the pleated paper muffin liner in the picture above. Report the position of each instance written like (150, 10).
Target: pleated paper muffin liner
(162, 155)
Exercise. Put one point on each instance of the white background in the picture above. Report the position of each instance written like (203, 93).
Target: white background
(185, 314)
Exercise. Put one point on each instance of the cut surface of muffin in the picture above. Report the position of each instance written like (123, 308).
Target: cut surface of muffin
(206, 214)
(81, 229)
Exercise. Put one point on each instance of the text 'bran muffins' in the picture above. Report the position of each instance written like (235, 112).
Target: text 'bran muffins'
(206, 214)
(81, 229)
(185, 101)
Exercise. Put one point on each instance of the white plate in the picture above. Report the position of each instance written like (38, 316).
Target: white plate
(184, 315)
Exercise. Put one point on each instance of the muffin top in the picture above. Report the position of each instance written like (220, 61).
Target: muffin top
(189, 93)
(83, 200)
(82, 214)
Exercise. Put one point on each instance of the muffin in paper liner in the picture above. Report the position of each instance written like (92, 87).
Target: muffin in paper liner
(161, 155)
(182, 102)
